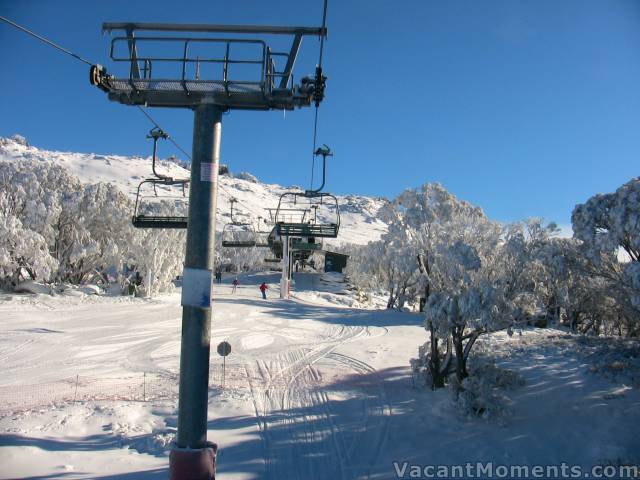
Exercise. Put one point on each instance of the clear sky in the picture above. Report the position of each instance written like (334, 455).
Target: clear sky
(524, 108)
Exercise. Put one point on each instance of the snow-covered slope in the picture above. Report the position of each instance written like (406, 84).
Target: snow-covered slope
(89, 389)
(359, 214)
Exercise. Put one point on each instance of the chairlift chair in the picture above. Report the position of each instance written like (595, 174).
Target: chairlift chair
(149, 214)
(237, 234)
(262, 236)
(311, 228)
(150, 210)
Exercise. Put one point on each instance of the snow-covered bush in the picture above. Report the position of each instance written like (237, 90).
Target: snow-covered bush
(479, 278)
(608, 222)
(54, 228)
(483, 393)
(613, 358)
(382, 265)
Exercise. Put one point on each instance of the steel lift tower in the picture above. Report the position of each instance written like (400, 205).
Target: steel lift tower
(180, 76)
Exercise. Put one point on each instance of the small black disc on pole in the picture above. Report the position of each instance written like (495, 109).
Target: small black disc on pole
(224, 349)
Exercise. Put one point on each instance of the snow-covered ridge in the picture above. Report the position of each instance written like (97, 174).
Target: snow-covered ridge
(360, 222)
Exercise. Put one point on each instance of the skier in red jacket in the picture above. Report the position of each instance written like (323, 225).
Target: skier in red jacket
(263, 289)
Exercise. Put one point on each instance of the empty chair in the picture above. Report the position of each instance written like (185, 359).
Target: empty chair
(161, 201)
(238, 235)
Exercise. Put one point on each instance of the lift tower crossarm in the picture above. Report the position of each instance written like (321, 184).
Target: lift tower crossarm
(266, 86)
(206, 28)
(299, 32)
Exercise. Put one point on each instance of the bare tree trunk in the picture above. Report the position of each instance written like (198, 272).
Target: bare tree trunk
(392, 300)
(439, 366)
(402, 297)
(424, 269)
(467, 348)
(461, 364)
(422, 303)
(574, 317)
(437, 379)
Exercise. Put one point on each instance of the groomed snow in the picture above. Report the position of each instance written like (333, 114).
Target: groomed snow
(312, 391)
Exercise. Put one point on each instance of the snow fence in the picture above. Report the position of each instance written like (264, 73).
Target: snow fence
(142, 387)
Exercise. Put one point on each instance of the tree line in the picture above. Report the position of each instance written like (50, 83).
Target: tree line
(472, 276)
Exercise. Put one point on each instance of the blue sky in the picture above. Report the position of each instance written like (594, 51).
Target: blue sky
(524, 108)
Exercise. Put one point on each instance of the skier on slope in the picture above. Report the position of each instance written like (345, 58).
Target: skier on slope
(235, 284)
(263, 289)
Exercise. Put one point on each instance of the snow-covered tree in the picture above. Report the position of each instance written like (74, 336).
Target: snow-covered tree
(608, 222)
(54, 228)
(93, 232)
(474, 276)
(608, 225)
(159, 253)
(24, 253)
(27, 211)
(241, 258)
(385, 266)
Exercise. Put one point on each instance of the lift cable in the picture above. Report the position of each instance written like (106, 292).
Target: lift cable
(324, 25)
(238, 201)
(319, 82)
(169, 137)
(78, 57)
(48, 42)
(189, 157)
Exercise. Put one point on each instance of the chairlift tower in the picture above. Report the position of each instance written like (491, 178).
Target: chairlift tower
(188, 86)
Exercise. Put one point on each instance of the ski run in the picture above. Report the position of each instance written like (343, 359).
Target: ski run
(316, 387)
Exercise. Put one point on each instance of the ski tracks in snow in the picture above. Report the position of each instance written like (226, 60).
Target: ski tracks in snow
(366, 450)
(302, 437)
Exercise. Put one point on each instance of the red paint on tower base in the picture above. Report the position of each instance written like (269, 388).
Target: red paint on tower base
(193, 464)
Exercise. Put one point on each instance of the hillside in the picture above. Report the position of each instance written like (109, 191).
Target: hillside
(360, 222)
